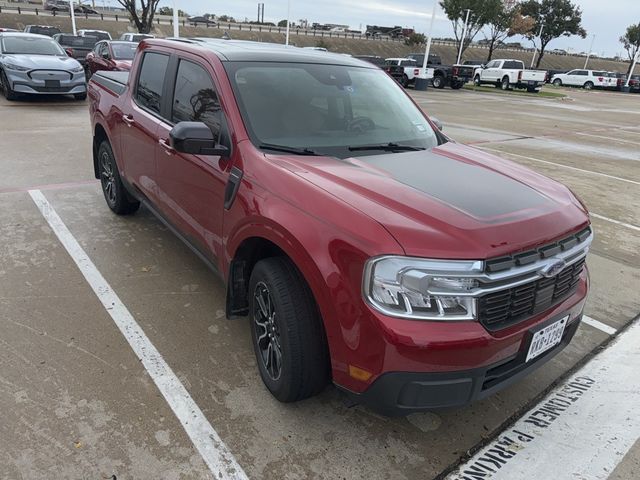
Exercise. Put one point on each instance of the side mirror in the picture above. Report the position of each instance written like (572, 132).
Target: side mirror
(437, 123)
(195, 138)
(105, 55)
(69, 52)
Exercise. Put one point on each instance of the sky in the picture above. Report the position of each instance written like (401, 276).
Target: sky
(607, 19)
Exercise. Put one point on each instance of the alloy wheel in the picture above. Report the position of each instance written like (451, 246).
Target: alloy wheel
(267, 333)
(107, 178)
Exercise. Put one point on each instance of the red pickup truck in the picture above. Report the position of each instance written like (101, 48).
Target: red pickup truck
(366, 247)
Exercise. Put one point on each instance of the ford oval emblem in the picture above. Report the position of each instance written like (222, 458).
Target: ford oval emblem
(553, 269)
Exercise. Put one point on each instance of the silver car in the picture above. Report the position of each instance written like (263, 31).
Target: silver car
(37, 64)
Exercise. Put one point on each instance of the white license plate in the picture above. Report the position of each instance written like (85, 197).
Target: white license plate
(546, 338)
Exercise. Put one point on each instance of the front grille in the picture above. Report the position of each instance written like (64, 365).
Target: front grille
(506, 307)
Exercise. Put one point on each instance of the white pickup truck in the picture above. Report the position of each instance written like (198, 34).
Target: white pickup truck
(508, 74)
(405, 70)
(587, 79)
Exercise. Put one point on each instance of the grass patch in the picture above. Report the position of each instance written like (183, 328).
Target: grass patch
(492, 89)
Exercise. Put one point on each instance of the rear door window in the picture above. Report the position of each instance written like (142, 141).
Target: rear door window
(151, 81)
(513, 65)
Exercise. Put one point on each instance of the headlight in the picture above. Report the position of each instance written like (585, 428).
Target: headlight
(17, 68)
(78, 69)
(422, 289)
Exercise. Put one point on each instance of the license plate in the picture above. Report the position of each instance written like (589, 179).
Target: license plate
(52, 83)
(547, 338)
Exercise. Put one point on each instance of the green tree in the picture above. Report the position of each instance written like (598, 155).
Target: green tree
(142, 17)
(282, 23)
(631, 42)
(169, 11)
(226, 19)
(415, 39)
(506, 22)
(556, 17)
(482, 13)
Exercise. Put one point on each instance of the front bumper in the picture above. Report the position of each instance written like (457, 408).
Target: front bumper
(64, 83)
(402, 393)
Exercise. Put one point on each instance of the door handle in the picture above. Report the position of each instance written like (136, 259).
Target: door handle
(168, 149)
(128, 120)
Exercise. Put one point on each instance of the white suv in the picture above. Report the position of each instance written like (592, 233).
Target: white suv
(587, 79)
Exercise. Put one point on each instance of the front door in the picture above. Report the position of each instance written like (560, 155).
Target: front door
(192, 186)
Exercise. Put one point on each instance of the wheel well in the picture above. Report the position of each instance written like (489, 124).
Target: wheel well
(99, 136)
(250, 252)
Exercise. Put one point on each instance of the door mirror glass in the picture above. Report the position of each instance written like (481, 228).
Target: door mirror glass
(195, 138)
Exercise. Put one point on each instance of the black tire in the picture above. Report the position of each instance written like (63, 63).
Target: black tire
(9, 94)
(438, 82)
(476, 80)
(588, 85)
(115, 193)
(287, 321)
(405, 81)
(80, 96)
(457, 85)
(557, 82)
(504, 85)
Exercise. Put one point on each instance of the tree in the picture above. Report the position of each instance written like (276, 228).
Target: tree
(169, 11)
(506, 22)
(556, 17)
(226, 19)
(415, 39)
(143, 18)
(482, 12)
(282, 23)
(631, 42)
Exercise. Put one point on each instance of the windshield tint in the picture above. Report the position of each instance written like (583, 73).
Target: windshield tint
(31, 46)
(124, 51)
(326, 108)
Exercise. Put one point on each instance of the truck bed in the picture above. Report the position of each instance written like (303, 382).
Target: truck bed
(113, 81)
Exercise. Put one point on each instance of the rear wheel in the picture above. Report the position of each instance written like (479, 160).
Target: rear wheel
(9, 94)
(557, 82)
(588, 85)
(405, 81)
(505, 83)
(457, 85)
(287, 333)
(438, 81)
(114, 191)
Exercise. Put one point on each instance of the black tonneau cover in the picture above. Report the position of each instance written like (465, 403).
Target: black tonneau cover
(114, 81)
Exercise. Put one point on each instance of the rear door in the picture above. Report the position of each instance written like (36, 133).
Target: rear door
(192, 187)
(139, 125)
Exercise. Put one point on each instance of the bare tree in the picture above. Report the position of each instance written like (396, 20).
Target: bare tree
(143, 17)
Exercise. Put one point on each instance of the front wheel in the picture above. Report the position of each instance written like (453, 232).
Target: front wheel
(588, 85)
(287, 332)
(114, 191)
(80, 96)
(438, 82)
(476, 81)
(457, 85)
(9, 94)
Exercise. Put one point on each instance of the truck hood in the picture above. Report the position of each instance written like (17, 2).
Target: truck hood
(452, 201)
(42, 62)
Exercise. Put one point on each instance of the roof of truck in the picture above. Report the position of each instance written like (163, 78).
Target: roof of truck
(247, 51)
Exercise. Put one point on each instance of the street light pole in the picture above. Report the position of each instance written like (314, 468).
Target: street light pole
(464, 34)
(633, 66)
(73, 18)
(288, 20)
(589, 52)
(535, 50)
(176, 26)
(427, 50)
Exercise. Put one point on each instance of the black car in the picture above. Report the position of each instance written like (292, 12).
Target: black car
(375, 59)
(42, 30)
(201, 20)
(76, 47)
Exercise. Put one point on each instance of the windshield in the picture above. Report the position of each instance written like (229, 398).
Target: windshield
(80, 42)
(327, 109)
(124, 51)
(31, 46)
(50, 31)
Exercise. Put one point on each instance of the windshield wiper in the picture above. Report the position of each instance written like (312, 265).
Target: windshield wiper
(287, 149)
(387, 147)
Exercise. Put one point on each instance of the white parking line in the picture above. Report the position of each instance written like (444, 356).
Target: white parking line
(582, 429)
(215, 453)
(606, 138)
(559, 165)
(599, 325)
(617, 222)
